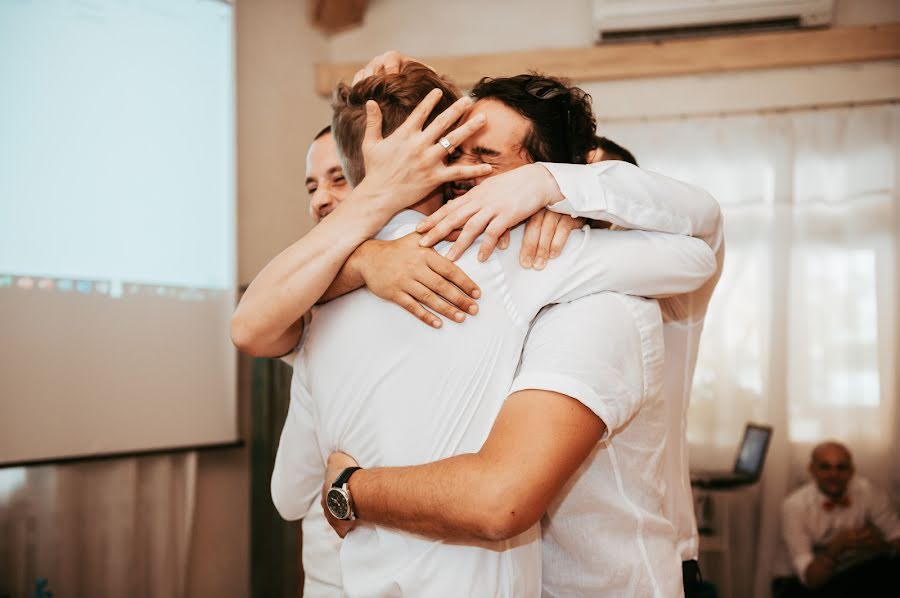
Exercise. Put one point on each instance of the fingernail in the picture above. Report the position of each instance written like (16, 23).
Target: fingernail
(438, 90)
(473, 309)
(539, 263)
(459, 316)
(423, 241)
(554, 253)
(420, 227)
(476, 293)
(481, 256)
(436, 323)
(526, 262)
(479, 118)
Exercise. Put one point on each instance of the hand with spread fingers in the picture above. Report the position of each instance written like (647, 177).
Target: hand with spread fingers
(545, 236)
(492, 207)
(416, 278)
(410, 163)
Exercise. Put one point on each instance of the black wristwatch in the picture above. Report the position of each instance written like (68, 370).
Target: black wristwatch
(338, 500)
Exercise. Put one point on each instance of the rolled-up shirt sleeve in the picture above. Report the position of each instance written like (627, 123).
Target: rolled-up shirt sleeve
(597, 350)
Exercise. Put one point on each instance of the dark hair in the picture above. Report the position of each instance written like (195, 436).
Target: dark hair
(397, 95)
(616, 151)
(322, 133)
(562, 121)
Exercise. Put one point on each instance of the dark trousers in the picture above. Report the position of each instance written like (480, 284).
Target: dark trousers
(877, 578)
(694, 586)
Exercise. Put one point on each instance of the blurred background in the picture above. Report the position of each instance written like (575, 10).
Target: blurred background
(152, 160)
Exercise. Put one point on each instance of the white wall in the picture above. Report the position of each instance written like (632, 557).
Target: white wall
(278, 114)
(433, 28)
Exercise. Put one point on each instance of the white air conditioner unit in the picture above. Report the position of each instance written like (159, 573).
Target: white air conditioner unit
(629, 19)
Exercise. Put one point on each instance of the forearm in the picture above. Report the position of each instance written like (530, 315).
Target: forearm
(441, 500)
(819, 571)
(267, 319)
(638, 263)
(537, 442)
(632, 198)
(348, 279)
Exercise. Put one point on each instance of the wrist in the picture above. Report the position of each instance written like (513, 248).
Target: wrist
(551, 191)
(372, 204)
(360, 261)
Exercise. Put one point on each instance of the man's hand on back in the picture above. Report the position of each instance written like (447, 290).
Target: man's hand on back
(545, 236)
(492, 207)
(417, 277)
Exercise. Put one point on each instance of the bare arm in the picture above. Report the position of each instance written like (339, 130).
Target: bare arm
(267, 322)
(537, 442)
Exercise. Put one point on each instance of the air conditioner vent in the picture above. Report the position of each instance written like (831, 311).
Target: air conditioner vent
(694, 31)
(630, 20)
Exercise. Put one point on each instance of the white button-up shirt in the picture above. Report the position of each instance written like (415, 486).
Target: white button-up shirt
(373, 382)
(807, 526)
(602, 191)
(606, 534)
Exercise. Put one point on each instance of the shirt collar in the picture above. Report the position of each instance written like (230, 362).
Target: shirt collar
(404, 218)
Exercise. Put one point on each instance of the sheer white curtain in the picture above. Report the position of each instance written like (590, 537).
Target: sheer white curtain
(118, 527)
(802, 331)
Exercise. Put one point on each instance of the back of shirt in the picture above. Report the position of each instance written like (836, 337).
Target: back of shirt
(390, 391)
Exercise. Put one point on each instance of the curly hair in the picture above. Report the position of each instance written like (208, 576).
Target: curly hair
(562, 120)
(397, 95)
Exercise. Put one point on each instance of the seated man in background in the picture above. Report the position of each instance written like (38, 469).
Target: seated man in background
(841, 532)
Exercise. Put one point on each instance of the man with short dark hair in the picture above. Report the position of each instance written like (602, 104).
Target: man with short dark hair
(607, 149)
(842, 533)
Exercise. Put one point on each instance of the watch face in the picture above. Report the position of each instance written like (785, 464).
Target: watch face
(337, 503)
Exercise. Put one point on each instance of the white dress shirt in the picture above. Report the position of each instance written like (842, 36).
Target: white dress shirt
(373, 382)
(606, 534)
(602, 191)
(807, 525)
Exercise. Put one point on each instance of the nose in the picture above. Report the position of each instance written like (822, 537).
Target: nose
(321, 203)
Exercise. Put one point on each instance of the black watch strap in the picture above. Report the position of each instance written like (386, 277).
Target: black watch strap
(344, 477)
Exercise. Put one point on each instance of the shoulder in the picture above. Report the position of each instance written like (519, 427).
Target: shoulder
(799, 499)
(863, 487)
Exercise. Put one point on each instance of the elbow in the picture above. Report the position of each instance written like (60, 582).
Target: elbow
(244, 337)
(505, 513)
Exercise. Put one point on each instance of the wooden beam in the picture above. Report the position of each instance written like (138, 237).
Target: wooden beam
(333, 16)
(663, 59)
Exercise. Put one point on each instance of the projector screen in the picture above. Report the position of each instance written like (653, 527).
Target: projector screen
(117, 227)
